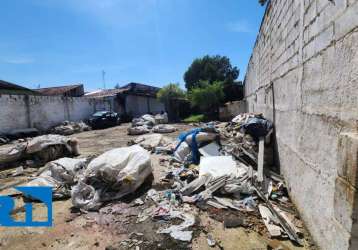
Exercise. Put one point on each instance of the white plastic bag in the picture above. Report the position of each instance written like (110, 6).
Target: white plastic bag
(163, 128)
(115, 173)
(140, 130)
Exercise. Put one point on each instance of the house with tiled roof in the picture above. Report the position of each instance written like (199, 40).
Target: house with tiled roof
(134, 99)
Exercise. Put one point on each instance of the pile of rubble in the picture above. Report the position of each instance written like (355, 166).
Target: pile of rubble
(147, 123)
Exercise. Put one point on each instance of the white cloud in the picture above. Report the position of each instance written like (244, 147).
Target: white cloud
(18, 60)
(240, 26)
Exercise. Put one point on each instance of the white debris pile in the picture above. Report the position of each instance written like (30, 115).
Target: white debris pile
(112, 175)
(164, 128)
(60, 175)
(69, 128)
(147, 122)
(229, 173)
(154, 141)
(42, 149)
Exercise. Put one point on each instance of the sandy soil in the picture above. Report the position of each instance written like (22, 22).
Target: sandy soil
(75, 230)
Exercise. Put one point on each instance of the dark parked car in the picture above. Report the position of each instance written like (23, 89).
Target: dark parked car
(104, 119)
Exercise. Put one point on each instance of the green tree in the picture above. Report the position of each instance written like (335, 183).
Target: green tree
(210, 69)
(170, 91)
(167, 95)
(207, 97)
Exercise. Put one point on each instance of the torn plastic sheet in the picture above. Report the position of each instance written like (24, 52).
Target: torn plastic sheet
(60, 175)
(153, 140)
(180, 232)
(112, 175)
(45, 148)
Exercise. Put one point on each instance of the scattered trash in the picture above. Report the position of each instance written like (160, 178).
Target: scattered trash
(138, 202)
(18, 171)
(232, 222)
(180, 232)
(211, 241)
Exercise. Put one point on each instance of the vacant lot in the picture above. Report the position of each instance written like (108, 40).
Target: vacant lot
(116, 221)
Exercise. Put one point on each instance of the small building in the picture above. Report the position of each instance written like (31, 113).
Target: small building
(14, 89)
(134, 99)
(68, 90)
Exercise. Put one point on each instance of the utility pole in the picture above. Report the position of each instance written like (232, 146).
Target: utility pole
(103, 80)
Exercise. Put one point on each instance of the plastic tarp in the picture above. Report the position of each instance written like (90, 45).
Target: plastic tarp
(112, 175)
(257, 127)
(45, 147)
(69, 128)
(12, 153)
(163, 128)
(140, 130)
(60, 175)
(152, 140)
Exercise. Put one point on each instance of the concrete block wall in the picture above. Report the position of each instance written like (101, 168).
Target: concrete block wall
(303, 75)
(42, 112)
(231, 109)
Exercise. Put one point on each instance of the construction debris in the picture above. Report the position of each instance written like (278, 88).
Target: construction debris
(111, 176)
(152, 141)
(69, 128)
(219, 168)
(42, 149)
(147, 123)
(163, 128)
(60, 175)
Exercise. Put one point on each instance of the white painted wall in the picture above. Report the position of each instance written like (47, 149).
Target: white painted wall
(303, 74)
(42, 112)
(140, 105)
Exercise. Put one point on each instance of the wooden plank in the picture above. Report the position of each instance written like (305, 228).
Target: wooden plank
(268, 218)
(260, 165)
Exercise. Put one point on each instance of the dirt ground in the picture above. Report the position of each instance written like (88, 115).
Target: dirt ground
(117, 221)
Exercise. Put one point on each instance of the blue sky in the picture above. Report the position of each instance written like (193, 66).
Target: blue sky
(55, 42)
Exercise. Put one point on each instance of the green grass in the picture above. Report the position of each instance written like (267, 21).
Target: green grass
(195, 118)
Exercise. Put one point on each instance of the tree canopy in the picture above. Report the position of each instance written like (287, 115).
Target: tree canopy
(169, 92)
(207, 96)
(210, 69)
